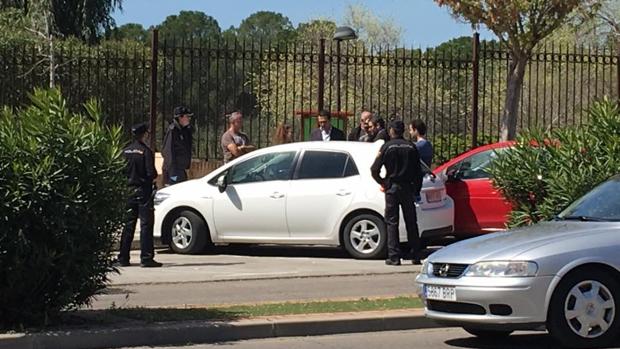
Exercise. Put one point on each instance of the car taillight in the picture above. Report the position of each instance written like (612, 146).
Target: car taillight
(433, 196)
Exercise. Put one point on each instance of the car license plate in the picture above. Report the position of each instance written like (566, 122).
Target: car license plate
(440, 293)
(433, 196)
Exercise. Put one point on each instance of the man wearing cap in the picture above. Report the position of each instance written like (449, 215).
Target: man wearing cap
(141, 173)
(177, 150)
(234, 142)
(402, 183)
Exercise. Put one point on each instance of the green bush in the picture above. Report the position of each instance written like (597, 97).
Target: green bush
(547, 170)
(62, 192)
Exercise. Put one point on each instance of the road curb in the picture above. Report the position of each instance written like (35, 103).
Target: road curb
(197, 332)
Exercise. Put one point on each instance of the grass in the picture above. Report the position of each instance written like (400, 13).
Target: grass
(250, 311)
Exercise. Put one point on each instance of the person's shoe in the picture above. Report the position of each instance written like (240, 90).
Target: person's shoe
(121, 263)
(150, 264)
(416, 261)
(392, 262)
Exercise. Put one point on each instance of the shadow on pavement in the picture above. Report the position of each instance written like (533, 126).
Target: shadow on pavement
(293, 251)
(172, 265)
(516, 341)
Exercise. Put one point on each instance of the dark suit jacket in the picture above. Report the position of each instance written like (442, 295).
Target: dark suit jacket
(335, 135)
(355, 134)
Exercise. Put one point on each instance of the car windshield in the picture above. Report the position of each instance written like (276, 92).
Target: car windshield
(600, 204)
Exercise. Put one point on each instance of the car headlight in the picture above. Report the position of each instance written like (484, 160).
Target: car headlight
(427, 268)
(160, 197)
(502, 269)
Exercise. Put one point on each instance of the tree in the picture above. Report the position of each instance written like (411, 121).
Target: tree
(520, 25)
(371, 29)
(315, 30)
(266, 26)
(129, 31)
(189, 26)
(84, 19)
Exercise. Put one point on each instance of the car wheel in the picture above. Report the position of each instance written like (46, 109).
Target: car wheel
(189, 233)
(365, 236)
(487, 334)
(583, 311)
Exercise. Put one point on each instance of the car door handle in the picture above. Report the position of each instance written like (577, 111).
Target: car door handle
(276, 195)
(343, 192)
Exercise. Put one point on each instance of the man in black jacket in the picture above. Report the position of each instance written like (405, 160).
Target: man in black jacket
(402, 183)
(177, 150)
(141, 173)
(358, 132)
(325, 131)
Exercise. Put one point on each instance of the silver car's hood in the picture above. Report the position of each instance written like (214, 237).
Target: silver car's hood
(510, 244)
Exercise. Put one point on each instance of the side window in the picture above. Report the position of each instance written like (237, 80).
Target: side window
(263, 168)
(475, 166)
(322, 164)
(351, 168)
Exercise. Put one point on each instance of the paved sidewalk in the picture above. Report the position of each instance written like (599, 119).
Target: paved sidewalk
(250, 263)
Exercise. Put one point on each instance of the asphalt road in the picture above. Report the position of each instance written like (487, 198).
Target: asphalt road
(423, 339)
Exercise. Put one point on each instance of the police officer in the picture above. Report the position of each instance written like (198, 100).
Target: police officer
(140, 174)
(177, 150)
(402, 183)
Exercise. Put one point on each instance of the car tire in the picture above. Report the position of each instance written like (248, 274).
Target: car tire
(189, 232)
(365, 237)
(567, 308)
(487, 334)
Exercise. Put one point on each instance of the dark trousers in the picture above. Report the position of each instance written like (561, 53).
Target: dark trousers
(401, 196)
(181, 176)
(140, 205)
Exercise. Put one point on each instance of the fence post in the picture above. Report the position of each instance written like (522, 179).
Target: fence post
(475, 83)
(618, 72)
(153, 98)
(321, 91)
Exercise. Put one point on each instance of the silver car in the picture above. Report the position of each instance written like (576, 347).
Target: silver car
(562, 276)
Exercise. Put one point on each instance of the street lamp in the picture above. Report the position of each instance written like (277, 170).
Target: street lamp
(341, 34)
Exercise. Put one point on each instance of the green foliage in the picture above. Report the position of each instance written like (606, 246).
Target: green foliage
(62, 191)
(129, 31)
(267, 27)
(547, 170)
(13, 25)
(189, 26)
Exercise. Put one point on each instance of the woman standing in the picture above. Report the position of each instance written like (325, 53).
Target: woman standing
(284, 134)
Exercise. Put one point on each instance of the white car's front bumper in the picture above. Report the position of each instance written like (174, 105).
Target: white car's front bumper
(516, 303)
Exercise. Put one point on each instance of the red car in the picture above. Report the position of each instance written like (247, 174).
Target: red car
(478, 207)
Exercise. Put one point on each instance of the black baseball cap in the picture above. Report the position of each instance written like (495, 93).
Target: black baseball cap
(179, 111)
(139, 129)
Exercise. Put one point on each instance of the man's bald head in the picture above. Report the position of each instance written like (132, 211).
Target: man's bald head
(365, 117)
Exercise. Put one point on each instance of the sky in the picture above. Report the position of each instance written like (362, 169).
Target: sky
(423, 22)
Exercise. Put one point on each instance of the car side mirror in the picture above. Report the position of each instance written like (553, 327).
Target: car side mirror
(222, 183)
(451, 175)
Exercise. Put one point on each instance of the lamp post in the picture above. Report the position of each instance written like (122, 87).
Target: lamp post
(341, 34)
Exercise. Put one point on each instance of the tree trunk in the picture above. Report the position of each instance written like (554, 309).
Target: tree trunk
(513, 97)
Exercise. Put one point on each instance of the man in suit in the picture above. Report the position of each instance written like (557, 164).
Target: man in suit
(326, 132)
(360, 131)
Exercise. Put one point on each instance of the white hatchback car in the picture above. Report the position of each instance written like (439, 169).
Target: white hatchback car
(311, 193)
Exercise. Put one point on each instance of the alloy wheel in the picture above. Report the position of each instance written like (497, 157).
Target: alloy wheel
(365, 236)
(182, 232)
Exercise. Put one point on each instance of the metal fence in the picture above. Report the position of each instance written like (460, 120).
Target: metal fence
(459, 94)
